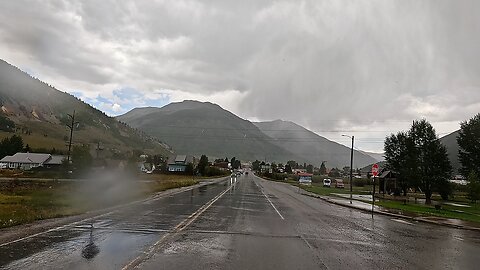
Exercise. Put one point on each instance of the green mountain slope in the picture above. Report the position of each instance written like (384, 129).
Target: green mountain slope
(39, 112)
(450, 141)
(311, 146)
(193, 127)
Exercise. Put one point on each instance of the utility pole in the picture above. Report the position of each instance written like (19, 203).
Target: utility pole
(71, 126)
(351, 167)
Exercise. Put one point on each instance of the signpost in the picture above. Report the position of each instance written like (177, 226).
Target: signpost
(374, 174)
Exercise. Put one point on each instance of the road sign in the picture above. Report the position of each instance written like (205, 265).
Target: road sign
(375, 170)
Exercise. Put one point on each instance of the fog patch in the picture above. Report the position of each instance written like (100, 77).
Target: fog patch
(102, 188)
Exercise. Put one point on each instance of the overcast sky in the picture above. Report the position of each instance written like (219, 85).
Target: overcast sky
(365, 68)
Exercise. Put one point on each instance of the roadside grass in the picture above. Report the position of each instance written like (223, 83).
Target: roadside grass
(27, 201)
(330, 191)
(471, 213)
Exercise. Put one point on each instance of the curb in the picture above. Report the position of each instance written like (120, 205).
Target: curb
(421, 219)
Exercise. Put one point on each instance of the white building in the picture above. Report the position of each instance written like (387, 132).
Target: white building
(26, 161)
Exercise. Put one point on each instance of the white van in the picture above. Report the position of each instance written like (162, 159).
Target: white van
(305, 178)
(327, 182)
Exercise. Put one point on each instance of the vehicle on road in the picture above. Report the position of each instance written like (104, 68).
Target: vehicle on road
(305, 178)
(339, 183)
(327, 182)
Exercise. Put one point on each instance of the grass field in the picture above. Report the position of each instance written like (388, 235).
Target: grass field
(470, 213)
(26, 201)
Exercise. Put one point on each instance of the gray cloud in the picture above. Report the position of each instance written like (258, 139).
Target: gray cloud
(329, 65)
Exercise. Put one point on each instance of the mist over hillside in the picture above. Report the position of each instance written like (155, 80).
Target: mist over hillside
(40, 113)
(197, 128)
(310, 145)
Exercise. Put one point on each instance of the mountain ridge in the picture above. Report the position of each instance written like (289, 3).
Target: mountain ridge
(315, 148)
(40, 113)
(197, 128)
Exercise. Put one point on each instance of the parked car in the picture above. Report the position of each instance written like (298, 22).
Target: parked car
(305, 178)
(327, 182)
(339, 183)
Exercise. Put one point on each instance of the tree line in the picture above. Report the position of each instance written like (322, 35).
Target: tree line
(421, 161)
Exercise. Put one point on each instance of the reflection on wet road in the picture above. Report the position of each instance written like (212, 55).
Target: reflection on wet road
(243, 223)
(108, 241)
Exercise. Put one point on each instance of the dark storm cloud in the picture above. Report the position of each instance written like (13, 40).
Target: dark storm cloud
(346, 65)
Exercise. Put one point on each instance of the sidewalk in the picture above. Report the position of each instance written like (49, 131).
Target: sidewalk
(367, 207)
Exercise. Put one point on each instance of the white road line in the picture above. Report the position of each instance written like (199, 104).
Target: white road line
(268, 199)
(56, 229)
(114, 209)
(177, 229)
(402, 221)
(458, 238)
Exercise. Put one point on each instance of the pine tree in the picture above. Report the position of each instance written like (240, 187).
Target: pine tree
(469, 147)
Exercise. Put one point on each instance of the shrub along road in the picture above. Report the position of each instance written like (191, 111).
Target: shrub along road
(247, 224)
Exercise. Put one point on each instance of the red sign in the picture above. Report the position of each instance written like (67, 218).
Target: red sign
(375, 170)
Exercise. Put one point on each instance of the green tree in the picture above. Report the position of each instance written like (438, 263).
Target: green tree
(288, 169)
(334, 172)
(323, 169)
(235, 163)
(27, 148)
(256, 165)
(293, 164)
(473, 187)
(6, 124)
(432, 159)
(419, 159)
(189, 169)
(11, 145)
(81, 157)
(469, 148)
(202, 165)
(309, 168)
(400, 157)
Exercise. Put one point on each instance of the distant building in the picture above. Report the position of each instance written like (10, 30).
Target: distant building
(305, 178)
(266, 168)
(298, 171)
(387, 182)
(221, 165)
(27, 161)
(179, 163)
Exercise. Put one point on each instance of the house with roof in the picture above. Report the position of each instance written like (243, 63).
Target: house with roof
(27, 161)
(387, 181)
(179, 163)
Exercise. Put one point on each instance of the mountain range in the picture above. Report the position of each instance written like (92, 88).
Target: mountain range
(197, 128)
(313, 147)
(39, 112)
(40, 115)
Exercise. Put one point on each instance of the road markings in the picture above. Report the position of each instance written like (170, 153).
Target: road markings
(56, 229)
(268, 199)
(114, 209)
(458, 238)
(402, 221)
(177, 229)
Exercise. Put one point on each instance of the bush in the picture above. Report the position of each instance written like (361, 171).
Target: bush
(361, 182)
(214, 171)
(276, 176)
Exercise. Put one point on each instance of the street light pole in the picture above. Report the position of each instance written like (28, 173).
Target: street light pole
(351, 167)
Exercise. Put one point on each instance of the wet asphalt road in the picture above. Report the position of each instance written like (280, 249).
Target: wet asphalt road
(249, 223)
